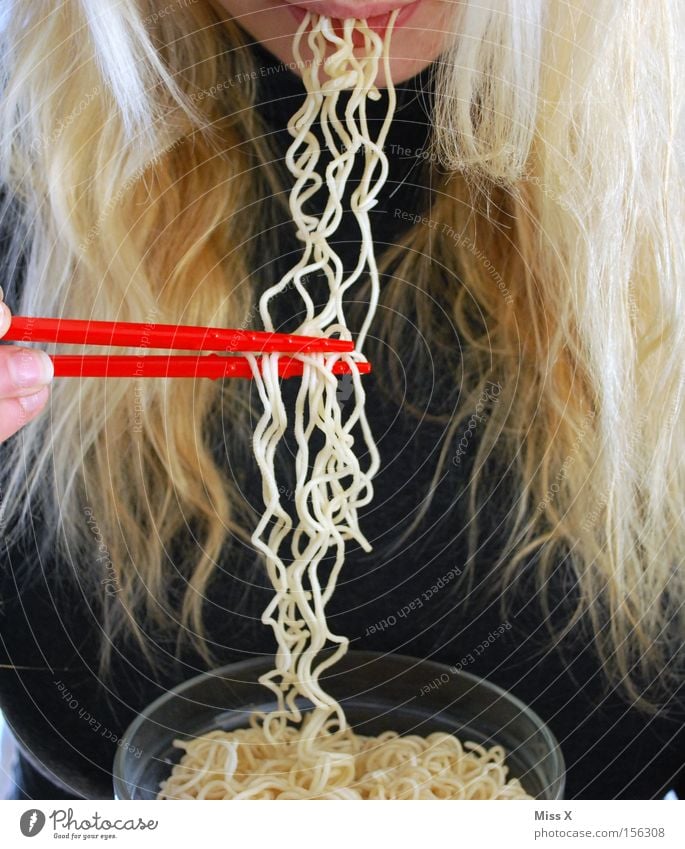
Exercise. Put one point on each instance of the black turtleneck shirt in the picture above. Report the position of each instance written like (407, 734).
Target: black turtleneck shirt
(49, 638)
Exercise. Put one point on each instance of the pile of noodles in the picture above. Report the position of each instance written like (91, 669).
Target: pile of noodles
(284, 754)
(242, 764)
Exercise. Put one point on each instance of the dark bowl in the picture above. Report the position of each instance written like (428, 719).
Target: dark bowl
(378, 692)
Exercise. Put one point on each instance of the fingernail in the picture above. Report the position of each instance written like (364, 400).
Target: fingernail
(5, 318)
(31, 403)
(2, 294)
(30, 368)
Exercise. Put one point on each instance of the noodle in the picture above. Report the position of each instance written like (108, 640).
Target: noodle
(242, 764)
(283, 754)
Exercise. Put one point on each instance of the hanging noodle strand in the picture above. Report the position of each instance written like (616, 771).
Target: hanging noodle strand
(283, 754)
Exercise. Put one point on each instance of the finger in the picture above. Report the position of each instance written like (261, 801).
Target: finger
(16, 412)
(5, 318)
(23, 371)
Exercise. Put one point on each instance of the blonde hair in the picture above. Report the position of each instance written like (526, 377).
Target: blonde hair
(131, 161)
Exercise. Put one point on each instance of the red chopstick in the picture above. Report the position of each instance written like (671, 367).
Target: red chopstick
(189, 337)
(209, 365)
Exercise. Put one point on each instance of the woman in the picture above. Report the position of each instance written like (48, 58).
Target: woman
(528, 365)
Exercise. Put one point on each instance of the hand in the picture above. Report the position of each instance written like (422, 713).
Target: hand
(24, 377)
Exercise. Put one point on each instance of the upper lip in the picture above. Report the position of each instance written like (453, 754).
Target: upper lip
(350, 8)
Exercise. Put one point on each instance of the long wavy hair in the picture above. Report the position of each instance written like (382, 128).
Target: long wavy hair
(130, 166)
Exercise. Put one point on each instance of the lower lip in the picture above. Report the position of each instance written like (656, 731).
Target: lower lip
(378, 23)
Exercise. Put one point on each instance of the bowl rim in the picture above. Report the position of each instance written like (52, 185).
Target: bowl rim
(558, 785)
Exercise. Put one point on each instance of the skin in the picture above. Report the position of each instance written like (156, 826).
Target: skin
(24, 379)
(415, 42)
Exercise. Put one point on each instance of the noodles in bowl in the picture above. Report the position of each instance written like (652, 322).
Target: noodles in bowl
(243, 764)
(376, 691)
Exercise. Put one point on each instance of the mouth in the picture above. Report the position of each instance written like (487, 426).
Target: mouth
(340, 10)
